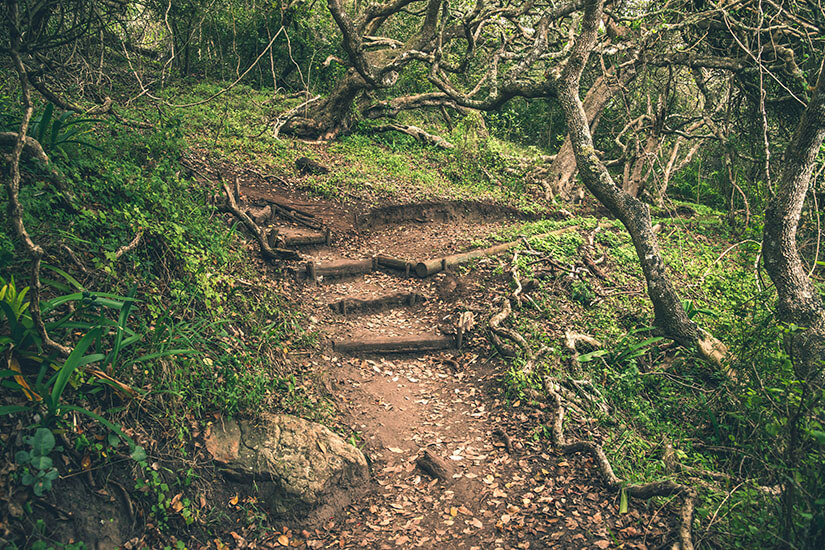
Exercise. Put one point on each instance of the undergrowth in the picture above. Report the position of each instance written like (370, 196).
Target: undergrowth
(174, 330)
(734, 434)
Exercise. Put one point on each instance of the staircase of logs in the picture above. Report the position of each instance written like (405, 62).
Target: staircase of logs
(264, 215)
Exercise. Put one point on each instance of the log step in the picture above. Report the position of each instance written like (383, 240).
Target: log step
(338, 268)
(395, 344)
(436, 265)
(279, 237)
(349, 305)
(395, 263)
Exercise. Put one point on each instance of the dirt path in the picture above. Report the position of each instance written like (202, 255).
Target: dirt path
(508, 488)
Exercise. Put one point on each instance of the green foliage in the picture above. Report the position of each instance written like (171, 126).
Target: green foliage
(59, 132)
(581, 292)
(38, 469)
(41, 377)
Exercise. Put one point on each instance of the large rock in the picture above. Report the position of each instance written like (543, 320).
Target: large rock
(300, 469)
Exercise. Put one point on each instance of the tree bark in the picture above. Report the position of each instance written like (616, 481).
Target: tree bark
(332, 116)
(670, 316)
(799, 302)
(561, 180)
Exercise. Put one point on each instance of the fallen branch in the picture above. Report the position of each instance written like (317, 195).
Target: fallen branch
(348, 305)
(293, 214)
(340, 268)
(430, 267)
(125, 249)
(435, 466)
(614, 483)
(465, 324)
(267, 251)
(502, 435)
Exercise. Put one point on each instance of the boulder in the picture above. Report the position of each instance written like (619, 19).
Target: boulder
(298, 469)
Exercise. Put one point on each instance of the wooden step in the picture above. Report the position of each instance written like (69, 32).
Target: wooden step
(291, 237)
(396, 344)
(338, 268)
(351, 305)
(395, 263)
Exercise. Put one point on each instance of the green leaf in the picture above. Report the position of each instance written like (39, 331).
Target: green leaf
(72, 362)
(42, 463)
(42, 443)
(623, 502)
(11, 409)
(41, 487)
(819, 436)
(69, 279)
(138, 454)
(592, 355)
(111, 426)
(22, 457)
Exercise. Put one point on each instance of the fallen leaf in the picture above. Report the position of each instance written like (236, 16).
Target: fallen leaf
(629, 531)
(602, 544)
(283, 540)
(234, 500)
(402, 540)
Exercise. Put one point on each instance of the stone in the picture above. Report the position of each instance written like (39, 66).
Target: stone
(299, 469)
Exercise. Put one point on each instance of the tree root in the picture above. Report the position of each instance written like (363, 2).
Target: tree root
(614, 483)
(125, 249)
(267, 251)
(420, 135)
(497, 332)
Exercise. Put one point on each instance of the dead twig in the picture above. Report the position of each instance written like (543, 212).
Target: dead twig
(125, 249)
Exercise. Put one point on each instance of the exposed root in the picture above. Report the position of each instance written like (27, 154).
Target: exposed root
(267, 251)
(516, 280)
(497, 332)
(572, 340)
(613, 482)
(502, 435)
(284, 118)
(714, 351)
(420, 135)
(125, 249)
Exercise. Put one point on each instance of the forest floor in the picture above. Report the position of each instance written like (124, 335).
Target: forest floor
(508, 488)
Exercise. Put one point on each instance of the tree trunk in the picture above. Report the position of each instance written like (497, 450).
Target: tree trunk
(799, 302)
(562, 177)
(670, 315)
(332, 116)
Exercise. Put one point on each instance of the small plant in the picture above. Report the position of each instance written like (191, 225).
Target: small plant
(38, 469)
(581, 292)
(625, 351)
(22, 348)
(692, 311)
(57, 132)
